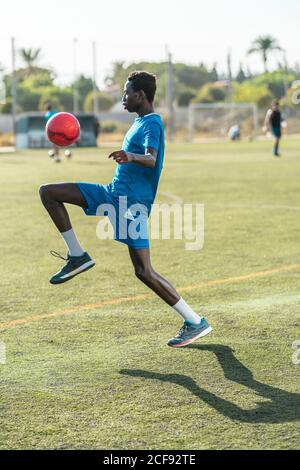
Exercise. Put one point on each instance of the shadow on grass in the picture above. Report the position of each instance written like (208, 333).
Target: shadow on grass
(281, 406)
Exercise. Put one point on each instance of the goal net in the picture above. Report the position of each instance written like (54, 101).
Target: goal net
(207, 120)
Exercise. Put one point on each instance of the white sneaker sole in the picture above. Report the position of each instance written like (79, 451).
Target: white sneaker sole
(81, 269)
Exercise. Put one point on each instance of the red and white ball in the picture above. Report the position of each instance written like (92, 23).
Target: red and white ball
(63, 129)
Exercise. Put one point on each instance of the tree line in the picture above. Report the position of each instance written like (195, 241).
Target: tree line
(37, 86)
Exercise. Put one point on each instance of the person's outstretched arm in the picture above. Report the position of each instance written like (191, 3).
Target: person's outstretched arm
(148, 159)
(268, 120)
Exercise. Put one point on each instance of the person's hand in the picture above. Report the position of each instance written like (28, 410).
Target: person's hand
(120, 156)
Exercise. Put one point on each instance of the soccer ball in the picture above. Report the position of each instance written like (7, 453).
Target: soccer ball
(68, 153)
(63, 129)
(57, 159)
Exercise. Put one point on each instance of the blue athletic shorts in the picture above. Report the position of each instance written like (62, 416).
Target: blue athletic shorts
(129, 221)
(276, 132)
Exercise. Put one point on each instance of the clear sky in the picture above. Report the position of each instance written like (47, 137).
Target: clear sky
(194, 30)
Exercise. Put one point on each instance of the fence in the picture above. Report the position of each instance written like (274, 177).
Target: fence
(124, 119)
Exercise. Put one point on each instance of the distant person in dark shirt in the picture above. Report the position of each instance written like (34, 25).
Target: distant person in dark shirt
(96, 129)
(53, 152)
(273, 123)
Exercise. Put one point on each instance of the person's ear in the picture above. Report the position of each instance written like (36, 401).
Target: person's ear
(142, 94)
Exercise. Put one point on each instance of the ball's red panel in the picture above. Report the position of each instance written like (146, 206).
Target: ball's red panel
(63, 129)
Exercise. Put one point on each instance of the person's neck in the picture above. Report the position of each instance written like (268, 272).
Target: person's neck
(145, 109)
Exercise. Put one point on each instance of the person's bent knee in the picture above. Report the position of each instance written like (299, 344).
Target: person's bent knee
(45, 191)
(144, 275)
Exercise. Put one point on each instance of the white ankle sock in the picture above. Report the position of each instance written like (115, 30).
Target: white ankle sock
(186, 312)
(72, 243)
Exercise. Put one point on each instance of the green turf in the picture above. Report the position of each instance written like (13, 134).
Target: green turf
(104, 378)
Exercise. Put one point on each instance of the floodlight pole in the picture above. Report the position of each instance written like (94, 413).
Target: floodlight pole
(169, 96)
(14, 85)
(75, 92)
(286, 85)
(229, 76)
(229, 93)
(255, 121)
(95, 90)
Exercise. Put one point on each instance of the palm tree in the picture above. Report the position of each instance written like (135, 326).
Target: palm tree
(263, 45)
(30, 56)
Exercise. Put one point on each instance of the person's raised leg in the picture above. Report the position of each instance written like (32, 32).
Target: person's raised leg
(53, 197)
(194, 325)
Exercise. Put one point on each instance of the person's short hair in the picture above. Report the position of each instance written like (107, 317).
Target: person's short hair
(141, 80)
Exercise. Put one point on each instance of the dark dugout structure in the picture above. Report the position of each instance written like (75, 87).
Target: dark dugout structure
(30, 131)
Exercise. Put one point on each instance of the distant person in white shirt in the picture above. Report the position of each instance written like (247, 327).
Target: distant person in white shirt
(234, 132)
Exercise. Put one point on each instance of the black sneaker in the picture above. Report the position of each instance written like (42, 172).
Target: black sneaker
(75, 265)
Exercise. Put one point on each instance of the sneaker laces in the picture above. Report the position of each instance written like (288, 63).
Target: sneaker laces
(58, 255)
(182, 329)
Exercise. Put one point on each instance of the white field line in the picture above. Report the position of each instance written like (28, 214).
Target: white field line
(256, 304)
(179, 200)
(173, 197)
(254, 206)
(137, 298)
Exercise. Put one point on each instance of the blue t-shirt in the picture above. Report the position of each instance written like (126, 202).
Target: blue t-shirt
(49, 114)
(135, 181)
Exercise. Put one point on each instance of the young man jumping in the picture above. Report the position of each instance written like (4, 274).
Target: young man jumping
(139, 165)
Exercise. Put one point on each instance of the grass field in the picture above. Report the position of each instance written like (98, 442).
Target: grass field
(87, 366)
